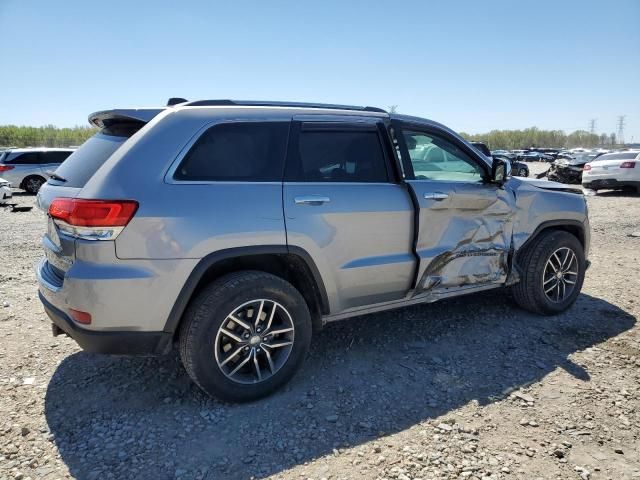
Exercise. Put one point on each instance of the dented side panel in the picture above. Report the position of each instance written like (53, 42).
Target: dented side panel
(464, 239)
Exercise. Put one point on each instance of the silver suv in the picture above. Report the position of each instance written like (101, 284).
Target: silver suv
(28, 168)
(233, 230)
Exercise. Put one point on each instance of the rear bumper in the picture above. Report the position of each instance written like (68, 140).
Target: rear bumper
(111, 342)
(597, 183)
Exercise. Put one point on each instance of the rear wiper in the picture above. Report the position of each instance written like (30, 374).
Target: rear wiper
(57, 177)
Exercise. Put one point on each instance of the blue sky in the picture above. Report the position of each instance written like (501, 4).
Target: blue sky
(473, 65)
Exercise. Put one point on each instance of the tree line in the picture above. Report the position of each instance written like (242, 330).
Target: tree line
(51, 136)
(47, 136)
(536, 138)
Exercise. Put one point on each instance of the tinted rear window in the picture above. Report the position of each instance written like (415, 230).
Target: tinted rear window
(26, 158)
(338, 156)
(618, 156)
(84, 162)
(252, 152)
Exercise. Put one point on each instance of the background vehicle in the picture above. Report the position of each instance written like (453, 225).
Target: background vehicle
(535, 157)
(568, 168)
(234, 229)
(5, 190)
(503, 153)
(519, 169)
(28, 168)
(613, 171)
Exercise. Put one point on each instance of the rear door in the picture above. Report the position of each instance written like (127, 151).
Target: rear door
(464, 223)
(344, 207)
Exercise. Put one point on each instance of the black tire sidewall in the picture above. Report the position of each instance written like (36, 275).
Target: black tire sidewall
(550, 244)
(209, 311)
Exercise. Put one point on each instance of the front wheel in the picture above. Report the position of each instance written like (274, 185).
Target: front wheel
(523, 173)
(553, 269)
(245, 335)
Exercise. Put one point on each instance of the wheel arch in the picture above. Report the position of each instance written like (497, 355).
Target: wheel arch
(292, 264)
(574, 227)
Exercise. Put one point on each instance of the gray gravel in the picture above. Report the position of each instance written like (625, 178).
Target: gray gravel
(467, 389)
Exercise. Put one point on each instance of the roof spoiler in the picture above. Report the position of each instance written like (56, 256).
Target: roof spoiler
(106, 117)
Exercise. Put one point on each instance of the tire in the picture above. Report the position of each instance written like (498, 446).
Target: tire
(536, 276)
(523, 173)
(203, 343)
(33, 183)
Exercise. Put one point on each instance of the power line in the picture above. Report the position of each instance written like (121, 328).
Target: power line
(621, 128)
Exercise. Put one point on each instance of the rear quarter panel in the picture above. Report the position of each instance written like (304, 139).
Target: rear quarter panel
(183, 220)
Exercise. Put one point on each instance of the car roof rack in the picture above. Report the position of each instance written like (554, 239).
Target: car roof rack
(262, 103)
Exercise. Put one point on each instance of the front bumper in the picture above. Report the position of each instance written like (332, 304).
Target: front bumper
(111, 342)
(5, 194)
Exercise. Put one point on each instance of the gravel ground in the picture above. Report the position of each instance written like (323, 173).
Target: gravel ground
(472, 388)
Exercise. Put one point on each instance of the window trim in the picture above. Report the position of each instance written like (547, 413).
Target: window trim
(401, 126)
(336, 125)
(169, 176)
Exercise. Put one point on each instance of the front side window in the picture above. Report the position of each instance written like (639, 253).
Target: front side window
(251, 151)
(335, 155)
(434, 158)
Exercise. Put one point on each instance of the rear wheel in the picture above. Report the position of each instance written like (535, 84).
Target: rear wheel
(523, 173)
(553, 269)
(33, 183)
(245, 335)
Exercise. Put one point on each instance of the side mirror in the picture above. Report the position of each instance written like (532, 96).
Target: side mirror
(500, 171)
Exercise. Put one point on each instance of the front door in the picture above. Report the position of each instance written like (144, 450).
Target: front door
(464, 222)
(344, 207)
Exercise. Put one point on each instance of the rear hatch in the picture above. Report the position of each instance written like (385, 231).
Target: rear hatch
(69, 179)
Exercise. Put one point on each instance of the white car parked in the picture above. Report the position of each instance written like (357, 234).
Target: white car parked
(613, 170)
(5, 191)
(29, 168)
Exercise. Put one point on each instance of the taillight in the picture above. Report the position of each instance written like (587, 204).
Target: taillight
(587, 167)
(92, 219)
(628, 165)
(5, 168)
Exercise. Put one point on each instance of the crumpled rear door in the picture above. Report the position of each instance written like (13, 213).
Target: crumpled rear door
(464, 234)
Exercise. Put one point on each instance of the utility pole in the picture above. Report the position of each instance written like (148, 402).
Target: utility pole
(592, 126)
(621, 128)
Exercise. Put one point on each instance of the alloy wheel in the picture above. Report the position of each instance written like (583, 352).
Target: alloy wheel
(254, 341)
(33, 185)
(560, 275)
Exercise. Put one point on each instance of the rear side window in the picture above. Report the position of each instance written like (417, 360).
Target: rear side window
(27, 158)
(243, 152)
(335, 155)
(54, 157)
(82, 164)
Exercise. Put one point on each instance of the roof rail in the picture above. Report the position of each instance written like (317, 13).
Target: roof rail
(261, 103)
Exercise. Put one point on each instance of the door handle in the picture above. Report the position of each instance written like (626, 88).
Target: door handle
(436, 196)
(311, 199)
